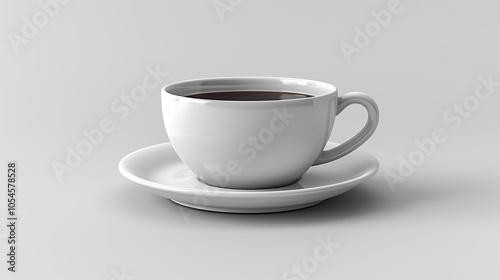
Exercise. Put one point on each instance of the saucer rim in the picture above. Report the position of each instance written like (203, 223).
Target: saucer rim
(240, 192)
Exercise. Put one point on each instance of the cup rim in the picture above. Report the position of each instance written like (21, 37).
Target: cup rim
(328, 89)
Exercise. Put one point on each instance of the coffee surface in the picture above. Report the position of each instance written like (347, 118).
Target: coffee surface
(249, 95)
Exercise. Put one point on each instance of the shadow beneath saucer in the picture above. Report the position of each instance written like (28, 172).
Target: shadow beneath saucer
(369, 198)
(359, 201)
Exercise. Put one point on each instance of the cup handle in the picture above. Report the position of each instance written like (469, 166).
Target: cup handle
(358, 139)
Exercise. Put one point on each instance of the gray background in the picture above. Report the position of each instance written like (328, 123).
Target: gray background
(442, 222)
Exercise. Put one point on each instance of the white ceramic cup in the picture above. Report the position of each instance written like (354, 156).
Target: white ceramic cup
(258, 144)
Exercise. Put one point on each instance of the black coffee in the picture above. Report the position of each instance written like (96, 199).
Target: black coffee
(249, 95)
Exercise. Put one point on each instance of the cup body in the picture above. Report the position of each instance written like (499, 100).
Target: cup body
(249, 144)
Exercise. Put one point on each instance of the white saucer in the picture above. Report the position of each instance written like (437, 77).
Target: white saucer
(159, 169)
